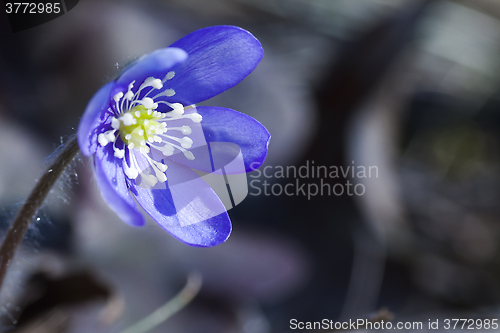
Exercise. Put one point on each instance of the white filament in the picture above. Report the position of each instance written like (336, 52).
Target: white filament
(152, 130)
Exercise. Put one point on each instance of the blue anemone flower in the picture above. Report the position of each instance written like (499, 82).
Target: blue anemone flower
(150, 143)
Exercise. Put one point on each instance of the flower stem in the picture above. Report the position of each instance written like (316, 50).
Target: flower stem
(17, 230)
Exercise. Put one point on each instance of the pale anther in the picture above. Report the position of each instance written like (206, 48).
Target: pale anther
(118, 96)
(129, 95)
(115, 123)
(148, 103)
(127, 119)
(119, 153)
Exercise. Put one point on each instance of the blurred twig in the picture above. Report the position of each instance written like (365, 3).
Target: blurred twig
(369, 260)
(23, 219)
(56, 321)
(167, 310)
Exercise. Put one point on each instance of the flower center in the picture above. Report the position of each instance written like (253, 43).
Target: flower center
(143, 130)
(139, 126)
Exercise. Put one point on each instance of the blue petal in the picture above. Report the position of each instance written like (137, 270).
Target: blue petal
(219, 58)
(180, 208)
(92, 118)
(226, 125)
(155, 64)
(113, 186)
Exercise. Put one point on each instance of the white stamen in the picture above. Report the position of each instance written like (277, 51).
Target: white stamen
(195, 117)
(129, 95)
(150, 180)
(169, 92)
(115, 123)
(169, 75)
(177, 108)
(189, 155)
(166, 92)
(186, 142)
(159, 169)
(103, 140)
(161, 177)
(151, 82)
(156, 83)
(110, 135)
(160, 130)
(119, 153)
(148, 103)
(127, 119)
(151, 133)
(186, 130)
(131, 172)
(167, 150)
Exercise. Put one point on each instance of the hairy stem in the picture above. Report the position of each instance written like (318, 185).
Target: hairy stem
(18, 229)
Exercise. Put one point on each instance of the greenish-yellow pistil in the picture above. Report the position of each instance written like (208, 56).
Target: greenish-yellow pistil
(140, 125)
